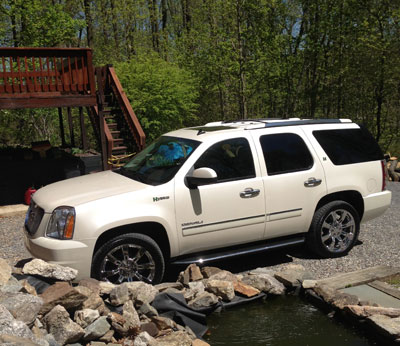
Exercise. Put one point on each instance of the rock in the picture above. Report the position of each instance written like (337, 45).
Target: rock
(292, 275)
(387, 326)
(107, 337)
(198, 342)
(118, 323)
(367, 311)
(61, 293)
(85, 317)
(209, 271)
(59, 324)
(150, 328)
(309, 284)
(245, 290)
(130, 315)
(92, 284)
(24, 307)
(119, 294)
(26, 287)
(221, 288)
(12, 286)
(95, 302)
(194, 289)
(143, 339)
(49, 270)
(87, 292)
(165, 285)
(12, 340)
(262, 270)
(340, 300)
(325, 292)
(97, 329)
(265, 283)
(191, 273)
(163, 323)
(105, 287)
(224, 275)
(204, 299)
(5, 272)
(175, 339)
(141, 293)
(148, 310)
(10, 326)
(172, 290)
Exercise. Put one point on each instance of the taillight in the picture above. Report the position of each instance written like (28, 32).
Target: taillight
(383, 164)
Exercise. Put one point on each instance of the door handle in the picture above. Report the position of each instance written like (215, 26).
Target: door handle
(249, 192)
(312, 182)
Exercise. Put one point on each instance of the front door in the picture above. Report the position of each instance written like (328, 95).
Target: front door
(228, 212)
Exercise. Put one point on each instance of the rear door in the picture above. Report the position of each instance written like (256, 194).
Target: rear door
(293, 177)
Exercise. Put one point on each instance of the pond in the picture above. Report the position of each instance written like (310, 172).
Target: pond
(280, 321)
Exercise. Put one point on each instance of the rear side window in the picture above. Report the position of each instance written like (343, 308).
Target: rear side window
(285, 153)
(349, 146)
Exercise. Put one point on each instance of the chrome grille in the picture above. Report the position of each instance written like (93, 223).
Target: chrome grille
(33, 218)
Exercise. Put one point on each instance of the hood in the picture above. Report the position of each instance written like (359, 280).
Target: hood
(83, 189)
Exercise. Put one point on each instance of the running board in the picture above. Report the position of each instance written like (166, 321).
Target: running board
(210, 257)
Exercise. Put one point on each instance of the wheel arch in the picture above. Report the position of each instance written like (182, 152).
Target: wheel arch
(154, 230)
(352, 197)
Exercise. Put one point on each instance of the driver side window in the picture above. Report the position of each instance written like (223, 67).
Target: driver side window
(230, 159)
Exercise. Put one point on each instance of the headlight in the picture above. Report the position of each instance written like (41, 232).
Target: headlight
(62, 222)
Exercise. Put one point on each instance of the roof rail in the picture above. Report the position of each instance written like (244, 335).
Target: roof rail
(305, 122)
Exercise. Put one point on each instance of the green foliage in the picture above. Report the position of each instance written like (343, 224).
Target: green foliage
(162, 94)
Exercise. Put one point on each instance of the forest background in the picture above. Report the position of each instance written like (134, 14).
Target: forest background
(187, 62)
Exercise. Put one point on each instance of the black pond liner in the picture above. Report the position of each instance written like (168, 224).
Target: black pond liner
(174, 306)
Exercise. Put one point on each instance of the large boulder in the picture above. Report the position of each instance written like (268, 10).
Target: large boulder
(61, 293)
(245, 290)
(293, 275)
(265, 283)
(221, 288)
(10, 326)
(191, 273)
(96, 329)
(24, 307)
(224, 275)
(64, 330)
(49, 270)
(141, 293)
(203, 300)
(367, 311)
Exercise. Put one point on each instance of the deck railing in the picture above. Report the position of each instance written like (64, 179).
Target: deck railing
(41, 72)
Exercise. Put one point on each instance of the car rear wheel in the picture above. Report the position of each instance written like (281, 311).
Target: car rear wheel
(129, 257)
(334, 229)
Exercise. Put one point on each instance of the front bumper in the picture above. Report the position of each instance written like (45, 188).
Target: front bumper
(376, 204)
(74, 254)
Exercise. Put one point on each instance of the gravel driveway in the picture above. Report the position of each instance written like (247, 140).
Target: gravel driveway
(379, 244)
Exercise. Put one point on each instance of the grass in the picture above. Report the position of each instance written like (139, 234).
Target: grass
(394, 280)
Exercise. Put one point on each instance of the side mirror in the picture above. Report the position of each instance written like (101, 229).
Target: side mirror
(201, 176)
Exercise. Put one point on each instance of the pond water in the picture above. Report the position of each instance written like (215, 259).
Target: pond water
(281, 321)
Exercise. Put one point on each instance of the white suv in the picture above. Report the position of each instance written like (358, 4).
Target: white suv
(205, 193)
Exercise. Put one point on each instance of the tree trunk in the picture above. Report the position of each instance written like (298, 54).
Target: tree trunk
(89, 23)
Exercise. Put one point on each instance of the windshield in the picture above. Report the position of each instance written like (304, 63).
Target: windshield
(159, 161)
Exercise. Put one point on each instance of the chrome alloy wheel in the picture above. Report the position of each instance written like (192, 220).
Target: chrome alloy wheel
(128, 262)
(338, 230)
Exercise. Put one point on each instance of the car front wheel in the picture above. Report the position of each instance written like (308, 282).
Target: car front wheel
(129, 257)
(334, 229)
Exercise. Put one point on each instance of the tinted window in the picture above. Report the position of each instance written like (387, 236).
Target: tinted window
(230, 159)
(285, 153)
(348, 145)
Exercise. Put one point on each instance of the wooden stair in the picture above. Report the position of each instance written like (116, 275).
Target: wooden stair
(121, 134)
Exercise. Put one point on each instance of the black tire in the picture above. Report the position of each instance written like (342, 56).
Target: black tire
(334, 229)
(129, 257)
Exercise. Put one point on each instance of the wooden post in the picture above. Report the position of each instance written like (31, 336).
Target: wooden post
(100, 101)
(83, 130)
(71, 127)
(60, 119)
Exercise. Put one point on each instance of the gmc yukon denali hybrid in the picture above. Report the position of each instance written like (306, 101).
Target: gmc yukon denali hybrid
(204, 193)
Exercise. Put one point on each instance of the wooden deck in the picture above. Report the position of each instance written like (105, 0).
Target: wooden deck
(46, 77)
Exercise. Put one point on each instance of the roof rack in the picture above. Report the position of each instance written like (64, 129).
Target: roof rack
(293, 122)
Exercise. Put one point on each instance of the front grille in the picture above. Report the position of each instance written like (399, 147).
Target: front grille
(33, 218)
